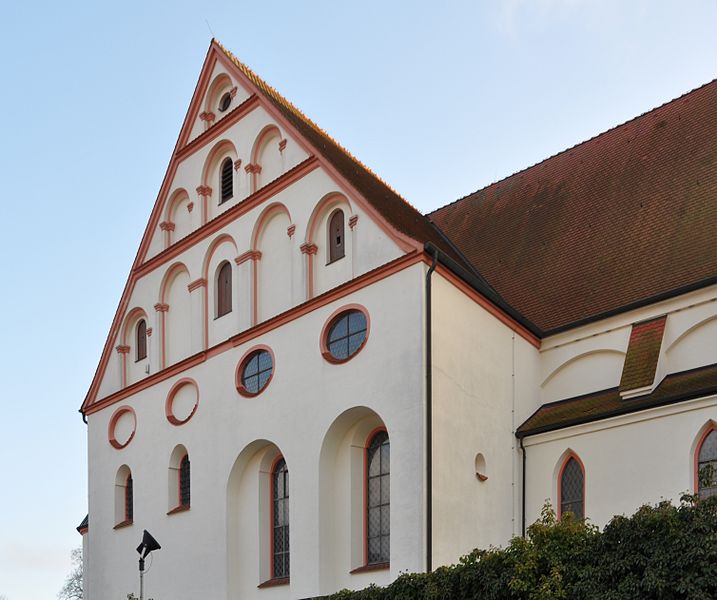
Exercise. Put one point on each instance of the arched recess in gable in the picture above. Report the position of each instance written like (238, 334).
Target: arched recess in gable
(587, 372)
(136, 362)
(266, 157)
(271, 247)
(175, 316)
(223, 249)
(694, 347)
(323, 273)
(177, 216)
(222, 84)
(211, 184)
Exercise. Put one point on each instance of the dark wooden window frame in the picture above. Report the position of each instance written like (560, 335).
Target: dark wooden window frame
(226, 180)
(223, 290)
(336, 238)
(141, 340)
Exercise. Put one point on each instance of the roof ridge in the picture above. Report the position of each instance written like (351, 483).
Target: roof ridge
(262, 84)
(576, 145)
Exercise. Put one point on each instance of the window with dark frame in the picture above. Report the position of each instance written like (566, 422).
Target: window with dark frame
(227, 180)
(184, 485)
(141, 342)
(378, 499)
(256, 371)
(224, 290)
(280, 520)
(224, 102)
(571, 489)
(129, 499)
(347, 334)
(336, 236)
(707, 466)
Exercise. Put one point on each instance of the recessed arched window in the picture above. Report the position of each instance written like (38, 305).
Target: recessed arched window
(571, 494)
(224, 289)
(707, 466)
(124, 497)
(255, 372)
(224, 102)
(129, 499)
(280, 520)
(378, 499)
(141, 344)
(227, 180)
(184, 484)
(336, 236)
(345, 336)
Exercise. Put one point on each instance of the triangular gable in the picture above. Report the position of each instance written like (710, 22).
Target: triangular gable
(404, 224)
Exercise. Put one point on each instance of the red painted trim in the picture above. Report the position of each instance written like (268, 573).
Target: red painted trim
(179, 509)
(196, 284)
(259, 144)
(274, 582)
(566, 459)
(324, 349)
(123, 349)
(291, 230)
(369, 568)
(91, 405)
(240, 367)
(169, 413)
(266, 215)
(309, 250)
(353, 219)
(366, 446)
(113, 423)
(488, 306)
(271, 516)
(123, 524)
(218, 241)
(709, 428)
(84, 530)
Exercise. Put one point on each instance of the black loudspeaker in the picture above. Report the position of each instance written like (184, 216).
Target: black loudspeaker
(149, 544)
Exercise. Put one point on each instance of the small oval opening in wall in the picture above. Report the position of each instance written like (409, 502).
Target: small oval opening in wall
(182, 401)
(480, 467)
(122, 427)
(255, 370)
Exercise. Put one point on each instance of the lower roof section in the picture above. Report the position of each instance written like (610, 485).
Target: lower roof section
(596, 406)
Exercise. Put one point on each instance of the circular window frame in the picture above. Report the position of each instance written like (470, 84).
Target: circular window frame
(113, 424)
(226, 94)
(168, 405)
(240, 369)
(323, 346)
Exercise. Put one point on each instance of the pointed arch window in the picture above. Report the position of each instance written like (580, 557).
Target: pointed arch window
(280, 520)
(707, 466)
(378, 499)
(184, 484)
(224, 290)
(571, 493)
(336, 236)
(141, 341)
(227, 180)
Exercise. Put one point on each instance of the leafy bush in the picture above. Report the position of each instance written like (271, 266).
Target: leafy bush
(661, 552)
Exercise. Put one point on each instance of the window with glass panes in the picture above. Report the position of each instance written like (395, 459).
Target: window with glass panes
(707, 466)
(378, 501)
(184, 486)
(280, 520)
(571, 489)
(128, 499)
(256, 371)
(347, 334)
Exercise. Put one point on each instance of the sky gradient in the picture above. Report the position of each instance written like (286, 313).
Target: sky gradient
(439, 100)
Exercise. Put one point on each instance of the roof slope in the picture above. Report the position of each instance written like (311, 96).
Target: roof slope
(608, 224)
(397, 211)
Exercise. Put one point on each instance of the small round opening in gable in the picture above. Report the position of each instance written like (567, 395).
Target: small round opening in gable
(224, 102)
(122, 427)
(182, 401)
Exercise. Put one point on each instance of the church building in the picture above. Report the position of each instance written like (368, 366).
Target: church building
(309, 385)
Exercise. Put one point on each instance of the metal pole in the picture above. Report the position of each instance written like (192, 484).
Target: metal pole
(141, 579)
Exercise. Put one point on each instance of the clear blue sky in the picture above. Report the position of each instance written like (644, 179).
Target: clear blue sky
(440, 99)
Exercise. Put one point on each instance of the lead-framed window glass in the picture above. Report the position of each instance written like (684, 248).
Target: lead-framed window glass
(378, 500)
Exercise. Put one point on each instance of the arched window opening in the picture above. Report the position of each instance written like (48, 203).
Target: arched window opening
(184, 486)
(224, 290)
(224, 102)
(141, 342)
(378, 499)
(572, 489)
(707, 466)
(280, 520)
(129, 499)
(336, 236)
(227, 180)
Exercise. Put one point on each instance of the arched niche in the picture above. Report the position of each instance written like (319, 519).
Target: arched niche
(176, 314)
(266, 155)
(588, 372)
(222, 250)
(178, 214)
(212, 178)
(695, 347)
(136, 365)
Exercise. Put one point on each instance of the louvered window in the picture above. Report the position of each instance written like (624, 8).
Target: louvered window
(227, 176)
(224, 290)
(378, 501)
(280, 520)
(707, 466)
(336, 236)
(128, 499)
(141, 340)
(572, 489)
(184, 487)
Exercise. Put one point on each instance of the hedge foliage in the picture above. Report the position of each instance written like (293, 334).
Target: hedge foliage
(660, 552)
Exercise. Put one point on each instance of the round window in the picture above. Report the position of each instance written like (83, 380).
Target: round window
(346, 335)
(254, 373)
(224, 102)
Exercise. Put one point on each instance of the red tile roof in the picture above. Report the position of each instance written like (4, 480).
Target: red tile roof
(609, 224)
